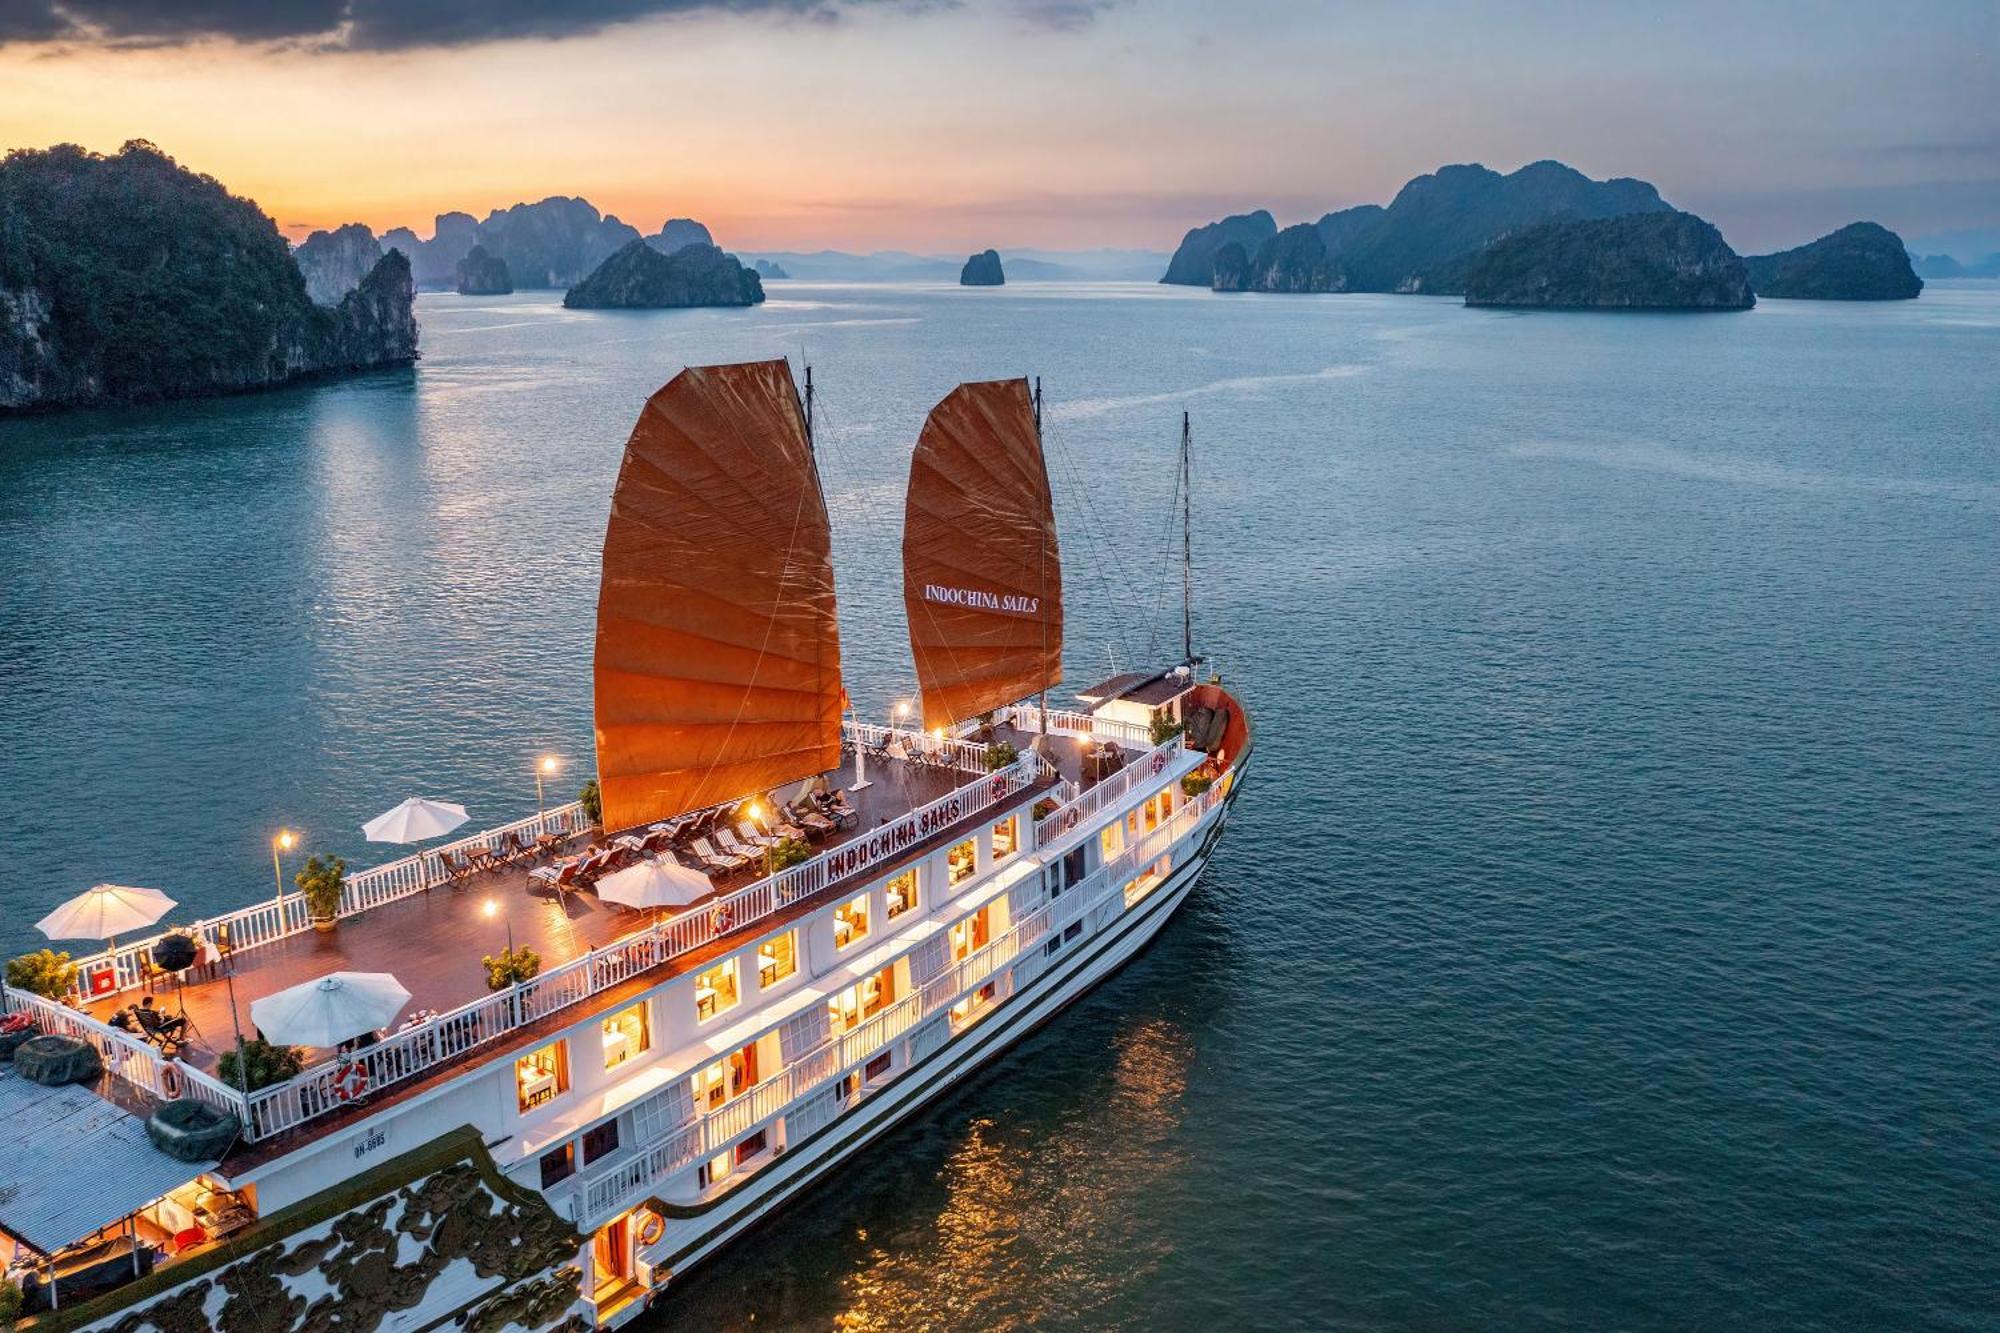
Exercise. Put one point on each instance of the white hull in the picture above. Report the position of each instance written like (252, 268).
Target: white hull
(687, 1242)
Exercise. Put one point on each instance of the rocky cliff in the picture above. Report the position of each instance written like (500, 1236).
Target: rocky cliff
(1295, 260)
(982, 270)
(334, 262)
(434, 263)
(1640, 261)
(1193, 264)
(1863, 261)
(483, 274)
(678, 234)
(767, 270)
(553, 243)
(640, 277)
(128, 278)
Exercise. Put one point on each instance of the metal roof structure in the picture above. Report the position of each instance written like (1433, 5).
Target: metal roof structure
(74, 1163)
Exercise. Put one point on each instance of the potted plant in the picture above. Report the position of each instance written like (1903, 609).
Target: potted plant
(321, 882)
(10, 1304)
(999, 755)
(256, 1063)
(1194, 784)
(43, 972)
(592, 800)
(1164, 727)
(784, 853)
(511, 967)
(1045, 807)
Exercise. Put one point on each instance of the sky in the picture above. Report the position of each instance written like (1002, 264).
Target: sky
(947, 127)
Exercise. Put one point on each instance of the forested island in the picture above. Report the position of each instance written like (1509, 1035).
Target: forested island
(640, 277)
(128, 278)
(1641, 261)
(1863, 261)
(1440, 227)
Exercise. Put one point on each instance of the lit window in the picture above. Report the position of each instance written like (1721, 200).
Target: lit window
(849, 1008)
(715, 990)
(714, 1171)
(543, 1075)
(778, 958)
(960, 862)
(902, 893)
(600, 1141)
(625, 1035)
(970, 934)
(1006, 837)
(1147, 882)
(726, 1079)
(972, 1006)
(850, 922)
(711, 1086)
(1110, 842)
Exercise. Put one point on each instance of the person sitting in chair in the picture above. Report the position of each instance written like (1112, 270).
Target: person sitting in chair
(167, 1027)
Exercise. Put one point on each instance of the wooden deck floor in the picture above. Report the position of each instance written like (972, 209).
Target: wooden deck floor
(433, 942)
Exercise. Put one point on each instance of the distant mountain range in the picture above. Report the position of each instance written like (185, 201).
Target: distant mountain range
(1433, 235)
(551, 244)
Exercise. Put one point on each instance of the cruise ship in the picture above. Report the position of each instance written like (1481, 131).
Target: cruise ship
(529, 1079)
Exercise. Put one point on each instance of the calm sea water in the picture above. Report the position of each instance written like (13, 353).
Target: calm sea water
(1607, 938)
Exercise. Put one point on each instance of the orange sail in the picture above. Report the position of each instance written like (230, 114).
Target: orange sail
(982, 579)
(718, 656)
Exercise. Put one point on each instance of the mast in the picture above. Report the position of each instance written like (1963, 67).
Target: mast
(809, 405)
(1187, 541)
(1042, 695)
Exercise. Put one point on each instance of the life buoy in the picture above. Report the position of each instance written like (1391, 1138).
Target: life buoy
(19, 1022)
(351, 1082)
(651, 1227)
(722, 919)
(1159, 764)
(170, 1080)
(999, 789)
(1069, 820)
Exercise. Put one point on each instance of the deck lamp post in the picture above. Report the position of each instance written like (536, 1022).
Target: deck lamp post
(545, 767)
(491, 909)
(284, 842)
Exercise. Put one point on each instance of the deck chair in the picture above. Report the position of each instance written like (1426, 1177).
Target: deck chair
(720, 862)
(456, 867)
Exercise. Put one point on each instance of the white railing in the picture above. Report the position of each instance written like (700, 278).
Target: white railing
(126, 1056)
(1072, 813)
(443, 1039)
(710, 1132)
(274, 920)
(1028, 717)
(915, 746)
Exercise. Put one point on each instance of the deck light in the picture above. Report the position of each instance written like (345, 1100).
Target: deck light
(547, 766)
(284, 842)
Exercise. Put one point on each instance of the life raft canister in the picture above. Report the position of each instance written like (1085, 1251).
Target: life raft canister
(351, 1081)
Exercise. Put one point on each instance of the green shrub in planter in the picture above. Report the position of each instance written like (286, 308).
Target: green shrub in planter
(511, 967)
(784, 853)
(264, 1063)
(10, 1304)
(321, 881)
(44, 972)
(1045, 807)
(1165, 728)
(1194, 784)
(999, 755)
(592, 800)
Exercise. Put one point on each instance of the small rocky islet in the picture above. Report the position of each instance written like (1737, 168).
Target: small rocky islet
(983, 270)
(482, 273)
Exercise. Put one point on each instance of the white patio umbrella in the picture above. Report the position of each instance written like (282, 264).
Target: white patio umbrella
(415, 820)
(328, 1011)
(100, 913)
(653, 883)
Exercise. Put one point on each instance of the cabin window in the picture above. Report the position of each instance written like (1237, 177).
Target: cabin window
(542, 1076)
(850, 1008)
(1147, 882)
(969, 935)
(972, 1006)
(1110, 842)
(879, 1066)
(850, 922)
(600, 1142)
(960, 862)
(1074, 865)
(625, 1035)
(715, 991)
(1006, 837)
(777, 958)
(715, 1170)
(847, 1088)
(558, 1165)
(1159, 809)
(902, 893)
(726, 1079)
(750, 1147)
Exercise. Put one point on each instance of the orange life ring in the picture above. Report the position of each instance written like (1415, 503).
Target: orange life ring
(351, 1082)
(999, 789)
(651, 1227)
(170, 1079)
(1159, 764)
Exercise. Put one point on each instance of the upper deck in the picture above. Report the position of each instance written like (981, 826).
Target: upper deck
(431, 931)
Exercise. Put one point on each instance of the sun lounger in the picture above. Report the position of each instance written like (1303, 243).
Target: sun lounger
(720, 862)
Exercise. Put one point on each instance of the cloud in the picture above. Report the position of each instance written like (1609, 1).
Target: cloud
(399, 25)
